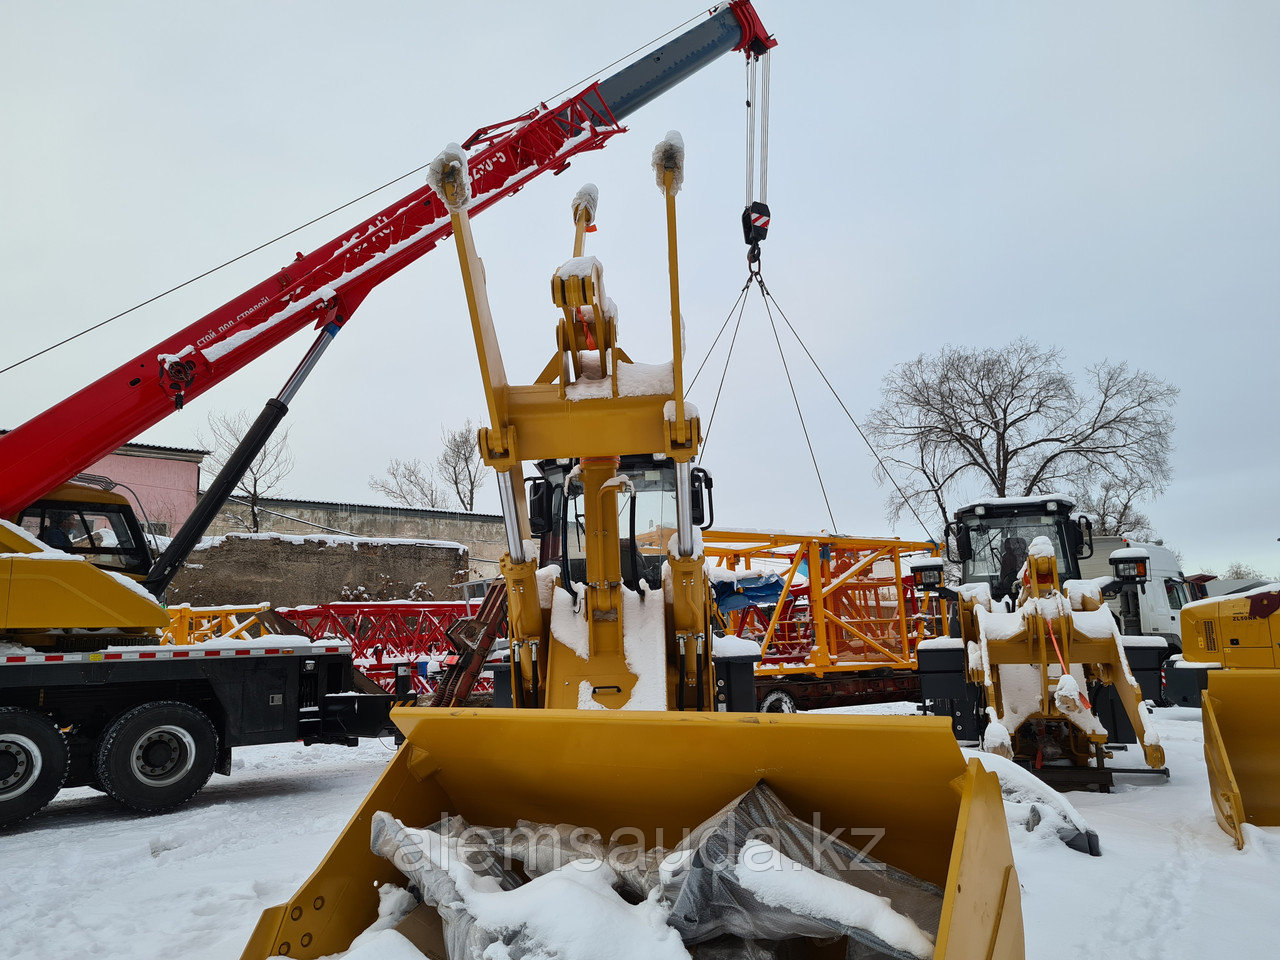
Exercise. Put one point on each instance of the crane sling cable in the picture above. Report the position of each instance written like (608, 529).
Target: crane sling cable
(309, 223)
(825, 379)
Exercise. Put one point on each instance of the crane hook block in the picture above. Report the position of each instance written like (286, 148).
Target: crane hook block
(755, 223)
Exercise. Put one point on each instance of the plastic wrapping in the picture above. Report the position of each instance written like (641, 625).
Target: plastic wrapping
(701, 880)
(747, 884)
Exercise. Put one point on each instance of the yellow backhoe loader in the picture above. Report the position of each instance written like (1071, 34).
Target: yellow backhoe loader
(618, 720)
(1239, 636)
(1032, 644)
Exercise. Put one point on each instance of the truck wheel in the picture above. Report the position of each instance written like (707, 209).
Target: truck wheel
(33, 763)
(778, 701)
(157, 756)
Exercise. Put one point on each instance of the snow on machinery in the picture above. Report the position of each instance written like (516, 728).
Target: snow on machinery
(1236, 640)
(1032, 643)
(617, 726)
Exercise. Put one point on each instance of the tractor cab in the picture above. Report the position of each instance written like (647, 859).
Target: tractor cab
(989, 539)
(646, 520)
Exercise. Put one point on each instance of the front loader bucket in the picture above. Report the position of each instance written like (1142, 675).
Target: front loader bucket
(1242, 748)
(663, 774)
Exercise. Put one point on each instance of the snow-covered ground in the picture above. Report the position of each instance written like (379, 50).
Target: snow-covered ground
(85, 879)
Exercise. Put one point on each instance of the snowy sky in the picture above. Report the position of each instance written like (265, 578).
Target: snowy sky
(1101, 176)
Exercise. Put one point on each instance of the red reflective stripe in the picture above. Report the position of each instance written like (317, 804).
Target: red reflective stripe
(15, 659)
(112, 656)
(270, 652)
(182, 653)
(243, 653)
(53, 658)
(146, 656)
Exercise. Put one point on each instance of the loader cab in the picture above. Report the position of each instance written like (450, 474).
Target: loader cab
(87, 522)
(989, 539)
(646, 520)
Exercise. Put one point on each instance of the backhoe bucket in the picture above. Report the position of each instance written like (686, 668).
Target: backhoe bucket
(1242, 748)
(663, 774)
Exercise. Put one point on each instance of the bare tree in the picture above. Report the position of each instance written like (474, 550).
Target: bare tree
(272, 464)
(411, 483)
(1113, 507)
(1010, 421)
(459, 464)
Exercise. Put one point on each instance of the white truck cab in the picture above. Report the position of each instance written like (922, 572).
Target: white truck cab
(1162, 597)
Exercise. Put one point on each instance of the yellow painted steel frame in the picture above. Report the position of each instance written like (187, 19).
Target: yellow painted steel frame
(849, 621)
(544, 421)
(1052, 642)
(1241, 708)
(189, 624)
(1241, 729)
(897, 786)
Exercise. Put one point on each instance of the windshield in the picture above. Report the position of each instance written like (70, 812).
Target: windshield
(105, 534)
(654, 505)
(999, 546)
(1177, 592)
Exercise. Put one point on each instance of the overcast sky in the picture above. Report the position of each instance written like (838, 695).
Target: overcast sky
(1100, 176)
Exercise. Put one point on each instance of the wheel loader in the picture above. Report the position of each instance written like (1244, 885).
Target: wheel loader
(1236, 639)
(1032, 643)
(620, 719)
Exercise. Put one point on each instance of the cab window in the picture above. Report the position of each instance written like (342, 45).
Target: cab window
(105, 534)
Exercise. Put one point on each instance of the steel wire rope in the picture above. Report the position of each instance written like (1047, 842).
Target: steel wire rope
(770, 298)
(212, 270)
(289, 233)
(800, 413)
(725, 372)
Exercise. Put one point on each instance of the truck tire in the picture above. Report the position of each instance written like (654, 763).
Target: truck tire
(33, 763)
(157, 756)
(778, 701)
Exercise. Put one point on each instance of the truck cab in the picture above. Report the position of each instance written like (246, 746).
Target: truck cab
(87, 521)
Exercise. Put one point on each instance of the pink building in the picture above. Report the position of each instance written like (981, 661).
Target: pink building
(162, 482)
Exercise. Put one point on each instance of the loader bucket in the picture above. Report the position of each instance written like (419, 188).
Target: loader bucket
(663, 774)
(1241, 739)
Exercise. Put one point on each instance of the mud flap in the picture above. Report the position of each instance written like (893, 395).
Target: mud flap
(897, 787)
(1241, 715)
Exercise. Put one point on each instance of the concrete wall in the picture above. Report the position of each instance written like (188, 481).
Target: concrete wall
(294, 571)
(481, 533)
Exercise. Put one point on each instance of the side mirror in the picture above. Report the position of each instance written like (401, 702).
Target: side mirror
(702, 507)
(959, 548)
(1084, 537)
(539, 505)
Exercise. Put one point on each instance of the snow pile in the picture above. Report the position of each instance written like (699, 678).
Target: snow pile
(448, 171)
(779, 881)
(580, 267)
(752, 872)
(634, 379)
(328, 540)
(569, 912)
(588, 198)
(643, 644)
(734, 646)
(1086, 594)
(1032, 806)
(546, 578)
(669, 410)
(669, 155)
(1040, 547)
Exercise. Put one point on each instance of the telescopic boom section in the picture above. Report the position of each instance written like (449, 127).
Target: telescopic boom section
(327, 285)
